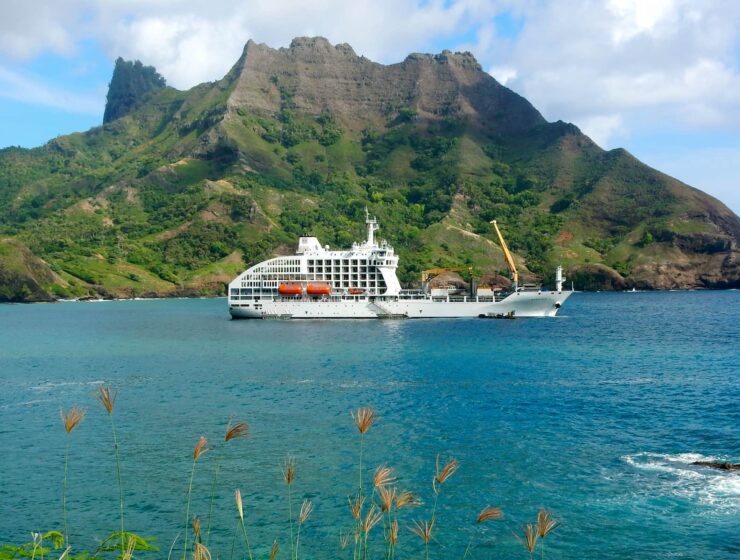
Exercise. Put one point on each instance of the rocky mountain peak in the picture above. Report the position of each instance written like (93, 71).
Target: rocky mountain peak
(462, 59)
(129, 87)
(319, 45)
(316, 77)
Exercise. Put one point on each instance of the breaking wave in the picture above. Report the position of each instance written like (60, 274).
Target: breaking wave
(676, 475)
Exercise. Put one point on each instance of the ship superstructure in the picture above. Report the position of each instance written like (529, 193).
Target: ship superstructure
(361, 282)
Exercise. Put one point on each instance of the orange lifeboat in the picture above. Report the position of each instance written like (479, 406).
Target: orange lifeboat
(318, 289)
(356, 291)
(290, 289)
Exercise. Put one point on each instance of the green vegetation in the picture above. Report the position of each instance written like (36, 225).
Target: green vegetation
(168, 197)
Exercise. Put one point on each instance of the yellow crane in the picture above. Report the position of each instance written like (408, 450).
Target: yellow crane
(507, 256)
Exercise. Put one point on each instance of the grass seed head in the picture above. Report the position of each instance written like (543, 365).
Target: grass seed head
(407, 499)
(196, 527)
(289, 470)
(274, 550)
(489, 513)
(200, 448)
(393, 533)
(383, 476)
(239, 505)
(343, 539)
(235, 431)
(107, 397)
(387, 495)
(356, 506)
(447, 471)
(201, 552)
(372, 517)
(423, 530)
(530, 537)
(545, 523)
(72, 419)
(364, 419)
(306, 509)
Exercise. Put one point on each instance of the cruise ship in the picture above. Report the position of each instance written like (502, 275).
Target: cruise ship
(361, 283)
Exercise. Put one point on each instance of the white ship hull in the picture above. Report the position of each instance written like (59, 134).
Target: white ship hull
(519, 304)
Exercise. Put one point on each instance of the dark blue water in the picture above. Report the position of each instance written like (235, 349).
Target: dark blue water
(595, 415)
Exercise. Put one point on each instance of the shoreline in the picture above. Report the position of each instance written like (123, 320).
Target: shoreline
(157, 298)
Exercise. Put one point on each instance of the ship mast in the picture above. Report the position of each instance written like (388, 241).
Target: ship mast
(372, 227)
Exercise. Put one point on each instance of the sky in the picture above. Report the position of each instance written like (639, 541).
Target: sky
(660, 78)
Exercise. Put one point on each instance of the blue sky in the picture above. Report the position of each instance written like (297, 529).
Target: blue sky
(659, 78)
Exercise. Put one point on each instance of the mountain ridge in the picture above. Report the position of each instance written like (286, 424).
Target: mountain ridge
(181, 189)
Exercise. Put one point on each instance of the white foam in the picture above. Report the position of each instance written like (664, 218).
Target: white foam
(679, 477)
(24, 403)
(49, 385)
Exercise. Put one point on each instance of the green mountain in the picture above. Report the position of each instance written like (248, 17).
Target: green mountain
(179, 190)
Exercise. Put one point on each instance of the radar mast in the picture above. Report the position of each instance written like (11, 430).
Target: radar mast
(372, 227)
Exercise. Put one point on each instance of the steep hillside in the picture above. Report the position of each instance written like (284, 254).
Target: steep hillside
(184, 189)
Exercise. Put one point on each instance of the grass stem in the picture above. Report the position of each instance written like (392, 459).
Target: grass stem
(187, 512)
(246, 539)
(120, 480)
(290, 519)
(64, 493)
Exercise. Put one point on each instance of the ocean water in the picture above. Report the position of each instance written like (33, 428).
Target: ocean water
(595, 415)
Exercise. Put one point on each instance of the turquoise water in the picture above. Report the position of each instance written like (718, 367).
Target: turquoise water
(595, 414)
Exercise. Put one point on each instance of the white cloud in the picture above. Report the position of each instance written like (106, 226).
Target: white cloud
(673, 62)
(185, 49)
(574, 59)
(503, 74)
(34, 26)
(190, 41)
(638, 16)
(602, 128)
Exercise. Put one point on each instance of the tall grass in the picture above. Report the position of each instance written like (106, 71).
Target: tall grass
(529, 538)
(363, 419)
(233, 431)
(288, 478)
(424, 529)
(303, 515)
(70, 420)
(240, 509)
(384, 503)
(545, 525)
(200, 448)
(107, 398)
